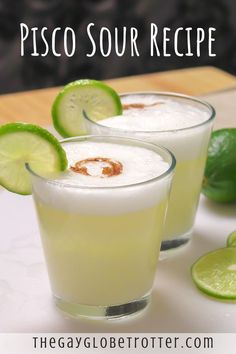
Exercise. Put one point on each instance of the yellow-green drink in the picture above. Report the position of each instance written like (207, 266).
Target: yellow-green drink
(101, 224)
(184, 196)
(106, 259)
(183, 125)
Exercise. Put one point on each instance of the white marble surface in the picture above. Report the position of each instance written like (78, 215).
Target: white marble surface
(177, 306)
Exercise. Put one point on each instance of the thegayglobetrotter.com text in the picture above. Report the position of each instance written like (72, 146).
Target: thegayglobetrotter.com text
(117, 343)
(123, 342)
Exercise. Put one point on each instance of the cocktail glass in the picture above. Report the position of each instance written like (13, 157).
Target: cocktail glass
(189, 145)
(101, 243)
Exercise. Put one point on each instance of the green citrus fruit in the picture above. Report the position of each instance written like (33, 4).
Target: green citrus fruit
(219, 182)
(95, 98)
(22, 144)
(215, 273)
(231, 240)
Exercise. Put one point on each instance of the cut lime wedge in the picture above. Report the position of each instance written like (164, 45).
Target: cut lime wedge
(231, 240)
(26, 143)
(97, 99)
(215, 273)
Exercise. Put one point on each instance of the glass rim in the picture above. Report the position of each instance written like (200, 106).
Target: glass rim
(159, 93)
(151, 146)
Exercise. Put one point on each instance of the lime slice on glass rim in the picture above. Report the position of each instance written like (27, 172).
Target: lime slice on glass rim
(215, 273)
(231, 240)
(95, 98)
(22, 143)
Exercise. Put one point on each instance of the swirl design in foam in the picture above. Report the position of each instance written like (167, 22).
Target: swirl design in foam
(174, 121)
(143, 183)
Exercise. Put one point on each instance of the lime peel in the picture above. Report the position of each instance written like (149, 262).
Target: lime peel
(231, 239)
(219, 183)
(97, 99)
(22, 144)
(215, 273)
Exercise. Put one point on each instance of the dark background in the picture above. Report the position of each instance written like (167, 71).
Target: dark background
(23, 73)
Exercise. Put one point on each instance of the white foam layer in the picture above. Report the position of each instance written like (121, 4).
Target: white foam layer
(161, 124)
(158, 114)
(72, 191)
(139, 164)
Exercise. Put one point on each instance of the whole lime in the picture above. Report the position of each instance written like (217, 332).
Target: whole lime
(219, 182)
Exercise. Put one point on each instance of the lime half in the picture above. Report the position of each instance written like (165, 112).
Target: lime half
(215, 273)
(95, 98)
(231, 240)
(26, 143)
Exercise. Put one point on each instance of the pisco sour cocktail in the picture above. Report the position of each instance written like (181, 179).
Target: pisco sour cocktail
(101, 222)
(183, 125)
